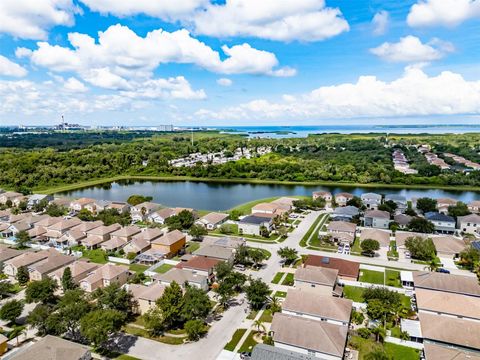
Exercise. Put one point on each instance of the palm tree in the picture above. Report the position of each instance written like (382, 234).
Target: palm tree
(380, 333)
(432, 266)
(259, 325)
(16, 332)
(404, 335)
(274, 304)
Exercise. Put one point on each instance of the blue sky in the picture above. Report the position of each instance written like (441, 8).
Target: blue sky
(239, 62)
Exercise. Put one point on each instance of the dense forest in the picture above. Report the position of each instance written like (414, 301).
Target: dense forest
(66, 158)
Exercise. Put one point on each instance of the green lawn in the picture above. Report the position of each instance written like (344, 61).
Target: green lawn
(278, 276)
(353, 293)
(365, 346)
(393, 278)
(138, 268)
(126, 357)
(252, 315)
(401, 352)
(192, 246)
(97, 256)
(249, 343)
(281, 294)
(144, 333)
(266, 316)
(289, 280)
(356, 246)
(162, 269)
(235, 339)
(309, 233)
(372, 277)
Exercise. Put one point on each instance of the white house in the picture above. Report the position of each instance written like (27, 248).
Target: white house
(377, 219)
(443, 223)
(469, 224)
(371, 200)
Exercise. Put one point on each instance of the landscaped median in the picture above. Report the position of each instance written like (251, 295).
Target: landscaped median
(236, 337)
(320, 220)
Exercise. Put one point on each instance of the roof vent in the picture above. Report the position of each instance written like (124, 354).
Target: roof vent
(325, 260)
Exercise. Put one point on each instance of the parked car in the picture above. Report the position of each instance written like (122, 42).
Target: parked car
(239, 267)
(368, 254)
(444, 271)
(407, 255)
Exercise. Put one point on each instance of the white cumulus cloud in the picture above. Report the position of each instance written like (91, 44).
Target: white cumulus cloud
(31, 19)
(224, 82)
(411, 49)
(380, 22)
(413, 94)
(9, 68)
(442, 12)
(74, 85)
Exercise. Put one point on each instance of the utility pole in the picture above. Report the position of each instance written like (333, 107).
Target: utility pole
(192, 137)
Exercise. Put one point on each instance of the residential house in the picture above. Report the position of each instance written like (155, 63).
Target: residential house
(39, 270)
(285, 201)
(325, 195)
(13, 229)
(320, 339)
(312, 306)
(444, 224)
(399, 200)
(216, 252)
(170, 243)
(268, 352)
(347, 270)
(383, 237)
(62, 202)
(371, 200)
(85, 226)
(342, 232)
(346, 213)
(436, 351)
(80, 204)
(448, 283)
(200, 265)
(35, 199)
(448, 246)
(54, 348)
(112, 245)
(402, 220)
(47, 222)
(474, 206)
(270, 208)
(98, 235)
(120, 206)
(126, 233)
(318, 279)
(444, 203)
(79, 269)
(212, 220)
(12, 196)
(26, 259)
(149, 234)
(377, 218)
(160, 216)
(182, 277)
(253, 224)
(469, 224)
(97, 206)
(142, 211)
(136, 246)
(146, 296)
(56, 230)
(226, 241)
(342, 198)
(104, 276)
(7, 253)
(402, 236)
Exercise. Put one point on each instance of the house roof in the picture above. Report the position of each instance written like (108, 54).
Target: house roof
(396, 198)
(226, 241)
(401, 236)
(51, 347)
(450, 330)
(342, 226)
(448, 303)
(214, 251)
(77, 268)
(65, 224)
(214, 218)
(475, 203)
(268, 352)
(149, 234)
(85, 226)
(446, 201)
(371, 196)
(199, 263)
(383, 237)
(72, 235)
(92, 240)
(255, 220)
(344, 194)
(472, 218)
(377, 214)
(446, 282)
(180, 276)
(346, 210)
(106, 272)
(402, 219)
(265, 207)
(29, 258)
(435, 351)
(104, 230)
(149, 206)
(83, 201)
(322, 193)
(170, 238)
(165, 213)
(285, 201)
(317, 275)
(126, 231)
(320, 336)
(436, 216)
(51, 263)
(324, 306)
(49, 221)
(448, 244)
(136, 245)
(8, 253)
(345, 267)
(149, 293)
(114, 243)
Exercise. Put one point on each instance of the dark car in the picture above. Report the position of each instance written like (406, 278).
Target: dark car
(245, 355)
(444, 271)
(367, 253)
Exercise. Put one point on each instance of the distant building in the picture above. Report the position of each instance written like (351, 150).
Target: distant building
(443, 223)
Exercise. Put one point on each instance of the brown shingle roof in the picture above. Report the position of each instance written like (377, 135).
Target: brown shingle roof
(199, 263)
(323, 306)
(446, 282)
(345, 267)
(320, 336)
(448, 244)
(342, 226)
(383, 237)
(149, 293)
(448, 303)
(440, 352)
(214, 218)
(379, 214)
(317, 275)
(170, 238)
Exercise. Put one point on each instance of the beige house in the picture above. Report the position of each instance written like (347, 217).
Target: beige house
(10, 196)
(474, 206)
(325, 195)
(212, 220)
(342, 198)
(448, 246)
(80, 269)
(39, 270)
(52, 348)
(170, 243)
(136, 246)
(86, 226)
(161, 215)
(26, 259)
(383, 237)
(270, 208)
(444, 203)
(448, 283)
(146, 296)
(99, 235)
(142, 211)
(126, 233)
(104, 276)
(70, 238)
(448, 304)
(119, 206)
(7, 253)
(342, 231)
(320, 280)
(149, 234)
(181, 277)
(56, 230)
(469, 224)
(113, 244)
(80, 204)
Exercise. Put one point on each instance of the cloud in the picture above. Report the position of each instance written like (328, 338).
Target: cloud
(413, 94)
(30, 19)
(9, 68)
(283, 20)
(380, 22)
(74, 85)
(121, 55)
(224, 82)
(442, 12)
(411, 49)
(163, 9)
